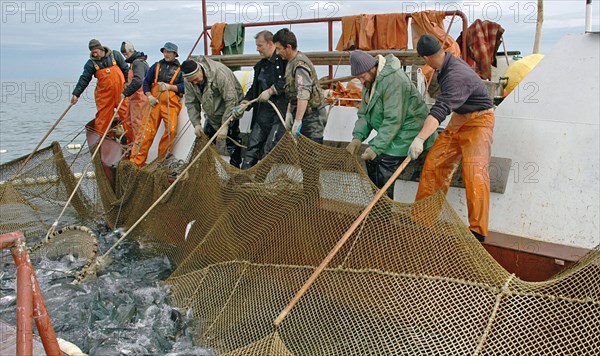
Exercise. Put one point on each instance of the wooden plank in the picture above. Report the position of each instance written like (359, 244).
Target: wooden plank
(407, 57)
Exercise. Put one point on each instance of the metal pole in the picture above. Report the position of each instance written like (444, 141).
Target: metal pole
(588, 16)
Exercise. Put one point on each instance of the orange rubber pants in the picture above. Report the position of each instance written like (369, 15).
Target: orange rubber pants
(108, 96)
(167, 111)
(136, 110)
(467, 137)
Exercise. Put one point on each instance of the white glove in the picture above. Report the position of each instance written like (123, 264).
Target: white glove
(162, 86)
(198, 130)
(369, 154)
(264, 96)
(289, 120)
(238, 111)
(416, 148)
(297, 128)
(353, 146)
(152, 100)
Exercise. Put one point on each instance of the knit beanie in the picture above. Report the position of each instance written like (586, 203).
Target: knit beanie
(189, 68)
(428, 45)
(95, 44)
(361, 62)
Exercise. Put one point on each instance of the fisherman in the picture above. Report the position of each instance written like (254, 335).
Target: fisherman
(306, 111)
(268, 84)
(163, 85)
(213, 88)
(138, 102)
(110, 70)
(393, 107)
(467, 137)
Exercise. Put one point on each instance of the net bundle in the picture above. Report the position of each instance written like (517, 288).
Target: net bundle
(411, 278)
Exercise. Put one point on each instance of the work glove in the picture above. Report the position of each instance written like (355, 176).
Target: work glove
(289, 120)
(264, 96)
(369, 154)
(297, 128)
(162, 86)
(416, 148)
(152, 100)
(222, 133)
(238, 112)
(353, 146)
(198, 130)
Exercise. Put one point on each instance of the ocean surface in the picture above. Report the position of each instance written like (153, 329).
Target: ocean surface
(28, 109)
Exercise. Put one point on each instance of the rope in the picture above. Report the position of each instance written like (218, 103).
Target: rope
(108, 127)
(82, 275)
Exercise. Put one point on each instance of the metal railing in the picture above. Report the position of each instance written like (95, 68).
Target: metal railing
(30, 303)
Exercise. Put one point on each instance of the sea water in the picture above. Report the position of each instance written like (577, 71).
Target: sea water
(28, 109)
(124, 309)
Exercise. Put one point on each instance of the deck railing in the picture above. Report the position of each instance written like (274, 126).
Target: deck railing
(30, 303)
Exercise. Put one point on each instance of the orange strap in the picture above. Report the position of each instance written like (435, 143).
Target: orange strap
(175, 75)
(114, 62)
(158, 69)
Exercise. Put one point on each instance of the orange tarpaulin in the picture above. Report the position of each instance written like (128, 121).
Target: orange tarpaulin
(217, 42)
(349, 92)
(432, 23)
(392, 31)
(370, 32)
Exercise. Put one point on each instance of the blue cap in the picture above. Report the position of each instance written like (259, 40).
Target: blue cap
(171, 47)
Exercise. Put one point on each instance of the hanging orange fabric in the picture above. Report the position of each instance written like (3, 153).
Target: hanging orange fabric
(349, 92)
(468, 138)
(392, 31)
(108, 96)
(167, 110)
(217, 42)
(137, 107)
(349, 38)
(367, 39)
(432, 22)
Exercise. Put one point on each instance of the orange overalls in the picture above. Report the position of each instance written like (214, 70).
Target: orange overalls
(167, 110)
(136, 110)
(108, 95)
(469, 137)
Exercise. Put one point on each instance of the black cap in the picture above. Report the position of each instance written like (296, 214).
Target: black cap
(428, 45)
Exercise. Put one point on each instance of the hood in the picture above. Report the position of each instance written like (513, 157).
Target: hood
(136, 55)
(392, 65)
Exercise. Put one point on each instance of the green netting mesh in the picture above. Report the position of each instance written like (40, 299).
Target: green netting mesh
(411, 279)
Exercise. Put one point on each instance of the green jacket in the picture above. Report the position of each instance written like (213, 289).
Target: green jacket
(221, 93)
(396, 111)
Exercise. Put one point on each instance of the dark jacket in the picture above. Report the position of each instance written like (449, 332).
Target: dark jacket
(139, 66)
(89, 69)
(167, 70)
(268, 72)
(461, 89)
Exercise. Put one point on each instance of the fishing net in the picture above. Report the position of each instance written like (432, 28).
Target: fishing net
(411, 279)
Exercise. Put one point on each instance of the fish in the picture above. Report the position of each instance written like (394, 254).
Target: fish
(188, 228)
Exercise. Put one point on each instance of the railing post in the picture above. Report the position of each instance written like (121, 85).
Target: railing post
(29, 300)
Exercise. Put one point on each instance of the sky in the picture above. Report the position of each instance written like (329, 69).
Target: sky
(49, 39)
